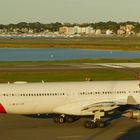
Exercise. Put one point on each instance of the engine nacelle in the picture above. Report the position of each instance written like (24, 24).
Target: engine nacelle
(133, 114)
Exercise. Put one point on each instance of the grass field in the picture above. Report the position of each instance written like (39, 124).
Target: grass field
(69, 75)
(109, 43)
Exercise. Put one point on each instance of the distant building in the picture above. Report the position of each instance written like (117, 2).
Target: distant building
(90, 30)
(31, 31)
(127, 29)
(63, 30)
(76, 30)
(109, 32)
(24, 30)
(70, 31)
(121, 32)
(3, 30)
(98, 32)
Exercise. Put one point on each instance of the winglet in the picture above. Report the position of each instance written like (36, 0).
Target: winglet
(131, 101)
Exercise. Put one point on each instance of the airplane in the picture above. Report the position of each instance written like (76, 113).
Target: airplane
(71, 99)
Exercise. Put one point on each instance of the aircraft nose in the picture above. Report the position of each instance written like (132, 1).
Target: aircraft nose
(2, 109)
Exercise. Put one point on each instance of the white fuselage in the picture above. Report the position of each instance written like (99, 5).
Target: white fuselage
(64, 97)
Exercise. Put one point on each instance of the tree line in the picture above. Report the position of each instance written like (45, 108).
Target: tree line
(53, 27)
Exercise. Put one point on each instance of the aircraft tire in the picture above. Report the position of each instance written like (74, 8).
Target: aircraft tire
(100, 124)
(69, 119)
(61, 120)
(56, 120)
(89, 124)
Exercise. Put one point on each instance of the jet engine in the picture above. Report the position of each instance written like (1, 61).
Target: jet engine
(133, 114)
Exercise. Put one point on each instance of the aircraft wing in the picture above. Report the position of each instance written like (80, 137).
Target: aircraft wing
(101, 106)
(86, 108)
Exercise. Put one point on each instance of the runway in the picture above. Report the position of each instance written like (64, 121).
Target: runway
(15, 127)
(69, 66)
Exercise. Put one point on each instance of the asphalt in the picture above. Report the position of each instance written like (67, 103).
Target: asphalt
(16, 127)
(69, 66)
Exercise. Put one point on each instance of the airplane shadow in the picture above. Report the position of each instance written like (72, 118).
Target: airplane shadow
(108, 117)
(131, 134)
(42, 116)
(50, 116)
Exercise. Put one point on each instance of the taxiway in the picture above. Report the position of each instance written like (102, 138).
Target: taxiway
(15, 127)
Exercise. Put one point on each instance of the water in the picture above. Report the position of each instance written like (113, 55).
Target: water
(33, 54)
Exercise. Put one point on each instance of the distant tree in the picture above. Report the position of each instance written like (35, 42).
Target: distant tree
(137, 28)
(112, 26)
(99, 25)
(54, 26)
(10, 27)
(22, 25)
(2, 26)
(37, 26)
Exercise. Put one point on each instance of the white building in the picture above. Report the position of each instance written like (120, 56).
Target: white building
(109, 32)
(98, 32)
(76, 30)
(120, 32)
(90, 30)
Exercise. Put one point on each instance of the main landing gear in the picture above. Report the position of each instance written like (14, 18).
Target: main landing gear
(93, 124)
(62, 119)
(96, 122)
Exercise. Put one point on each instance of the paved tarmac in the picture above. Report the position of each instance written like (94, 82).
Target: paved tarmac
(69, 66)
(16, 127)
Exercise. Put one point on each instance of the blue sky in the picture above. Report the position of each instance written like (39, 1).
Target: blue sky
(46, 11)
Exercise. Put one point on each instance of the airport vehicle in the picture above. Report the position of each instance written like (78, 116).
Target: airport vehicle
(68, 99)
